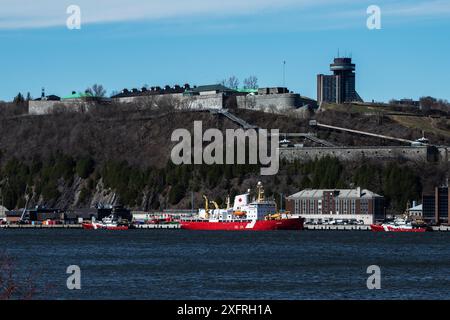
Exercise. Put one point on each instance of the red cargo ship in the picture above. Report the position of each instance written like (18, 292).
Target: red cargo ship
(258, 215)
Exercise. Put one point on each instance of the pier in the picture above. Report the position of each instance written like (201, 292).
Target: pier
(173, 226)
(330, 227)
(40, 226)
(441, 228)
(157, 226)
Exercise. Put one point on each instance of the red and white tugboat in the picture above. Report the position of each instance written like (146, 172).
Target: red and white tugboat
(258, 215)
(108, 223)
(398, 225)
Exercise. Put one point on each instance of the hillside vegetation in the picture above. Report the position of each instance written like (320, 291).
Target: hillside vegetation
(122, 154)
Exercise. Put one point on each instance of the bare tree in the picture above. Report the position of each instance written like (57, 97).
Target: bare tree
(251, 82)
(97, 91)
(9, 109)
(272, 108)
(61, 108)
(232, 82)
(167, 105)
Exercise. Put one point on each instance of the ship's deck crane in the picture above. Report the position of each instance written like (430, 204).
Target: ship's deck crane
(206, 206)
(215, 205)
(22, 217)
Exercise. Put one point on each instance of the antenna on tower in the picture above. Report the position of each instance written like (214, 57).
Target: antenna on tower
(284, 73)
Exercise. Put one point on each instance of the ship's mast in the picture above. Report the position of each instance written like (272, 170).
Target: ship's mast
(260, 190)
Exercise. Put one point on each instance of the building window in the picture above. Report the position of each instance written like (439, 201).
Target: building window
(364, 206)
(345, 206)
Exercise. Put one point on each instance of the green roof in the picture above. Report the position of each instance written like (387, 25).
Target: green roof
(244, 90)
(212, 87)
(78, 95)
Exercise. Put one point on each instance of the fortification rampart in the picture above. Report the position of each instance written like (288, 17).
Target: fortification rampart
(423, 153)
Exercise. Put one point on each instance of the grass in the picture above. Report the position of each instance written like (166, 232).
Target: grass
(356, 108)
(422, 123)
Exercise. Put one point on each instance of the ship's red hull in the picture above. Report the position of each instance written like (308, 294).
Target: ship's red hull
(259, 225)
(381, 228)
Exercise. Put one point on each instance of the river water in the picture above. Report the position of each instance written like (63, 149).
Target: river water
(178, 264)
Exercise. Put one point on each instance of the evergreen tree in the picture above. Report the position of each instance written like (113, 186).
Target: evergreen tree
(19, 99)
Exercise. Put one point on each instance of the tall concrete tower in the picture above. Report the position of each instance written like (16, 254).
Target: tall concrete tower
(339, 87)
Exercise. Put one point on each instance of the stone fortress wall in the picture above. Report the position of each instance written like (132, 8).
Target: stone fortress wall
(421, 154)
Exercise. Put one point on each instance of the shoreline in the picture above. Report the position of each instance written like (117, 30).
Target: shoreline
(177, 227)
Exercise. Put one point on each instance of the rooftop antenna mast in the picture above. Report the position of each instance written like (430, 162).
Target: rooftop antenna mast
(43, 97)
(284, 73)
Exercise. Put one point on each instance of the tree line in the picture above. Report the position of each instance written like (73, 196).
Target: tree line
(156, 188)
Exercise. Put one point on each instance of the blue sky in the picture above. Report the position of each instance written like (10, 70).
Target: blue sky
(131, 43)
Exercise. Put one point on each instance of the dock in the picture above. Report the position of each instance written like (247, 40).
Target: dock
(174, 226)
(441, 228)
(157, 226)
(40, 226)
(329, 227)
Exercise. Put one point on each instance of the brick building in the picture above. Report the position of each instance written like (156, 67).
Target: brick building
(333, 204)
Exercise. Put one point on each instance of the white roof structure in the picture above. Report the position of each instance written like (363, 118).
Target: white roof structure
(339, 193)
(3, 211)
(418, 208)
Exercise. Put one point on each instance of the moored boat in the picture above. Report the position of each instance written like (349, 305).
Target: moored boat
(108, 223)
(398, 225)
(257, 215)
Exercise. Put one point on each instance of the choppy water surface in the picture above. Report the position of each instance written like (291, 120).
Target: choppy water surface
(160, 264)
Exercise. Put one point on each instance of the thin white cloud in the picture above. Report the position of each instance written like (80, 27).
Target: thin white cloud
(422, 9)
(429, 8)
(49, 13)
(16, 14)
